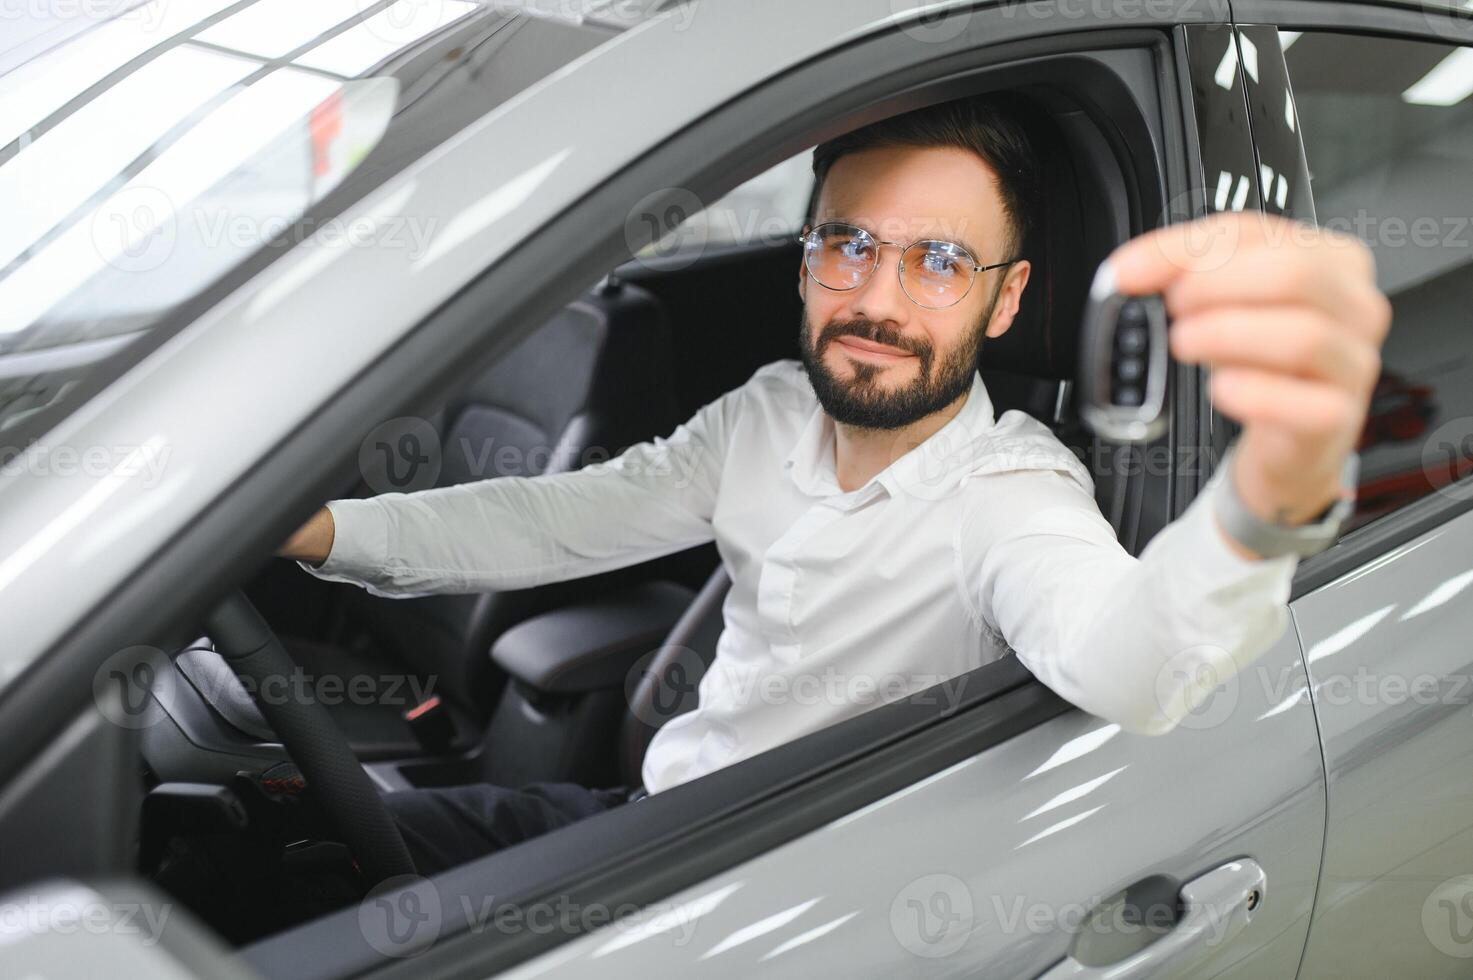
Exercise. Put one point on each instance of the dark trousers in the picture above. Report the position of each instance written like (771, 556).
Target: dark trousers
(446, 826)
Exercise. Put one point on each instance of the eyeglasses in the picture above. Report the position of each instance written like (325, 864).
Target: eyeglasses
(934, 274)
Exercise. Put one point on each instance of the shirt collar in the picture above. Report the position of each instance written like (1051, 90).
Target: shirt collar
(932, 468)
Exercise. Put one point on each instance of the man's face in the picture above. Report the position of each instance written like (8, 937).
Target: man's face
(876, 359)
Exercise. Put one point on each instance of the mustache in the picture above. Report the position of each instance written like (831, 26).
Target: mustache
(868, 330)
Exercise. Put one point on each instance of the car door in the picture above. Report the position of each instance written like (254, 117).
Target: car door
(1017, 859)
(1384, 616)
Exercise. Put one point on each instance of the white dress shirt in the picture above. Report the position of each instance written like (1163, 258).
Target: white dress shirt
(984, 538)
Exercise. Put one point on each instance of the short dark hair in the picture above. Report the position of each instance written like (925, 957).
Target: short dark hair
(993, 126)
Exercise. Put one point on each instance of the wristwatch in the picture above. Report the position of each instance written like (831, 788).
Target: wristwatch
(1271, 539)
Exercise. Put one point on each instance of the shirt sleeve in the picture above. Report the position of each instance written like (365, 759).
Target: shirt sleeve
(1136, 641)
(655, 498)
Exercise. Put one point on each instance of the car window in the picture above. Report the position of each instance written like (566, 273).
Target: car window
(1390, 155)
(769, 209)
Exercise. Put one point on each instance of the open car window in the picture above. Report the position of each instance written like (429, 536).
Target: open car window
(767, 210)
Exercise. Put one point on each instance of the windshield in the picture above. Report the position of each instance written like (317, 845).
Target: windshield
(155, 156)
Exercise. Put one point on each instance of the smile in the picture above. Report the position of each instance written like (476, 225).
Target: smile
(869, 351)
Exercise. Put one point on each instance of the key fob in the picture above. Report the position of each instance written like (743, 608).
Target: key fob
(1123, 363)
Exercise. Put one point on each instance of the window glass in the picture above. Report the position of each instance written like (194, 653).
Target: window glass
(1391, 161)
(768, 209)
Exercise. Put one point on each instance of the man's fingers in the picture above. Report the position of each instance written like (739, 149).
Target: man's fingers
(1151, 262)
(1252, 257)
(1269, 277)
(1295, 340)
(1302, 406)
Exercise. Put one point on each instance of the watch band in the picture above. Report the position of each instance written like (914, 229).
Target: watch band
(1271, 539)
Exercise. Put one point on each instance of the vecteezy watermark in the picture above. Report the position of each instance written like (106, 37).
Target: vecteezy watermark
(664, 683)
(139, 229)
(1198, 686)
(406, 454)
(47, 459)
(1449, 19)
(136, 687)
(70, 910)
(1101, 915)
(933, 915)
(1447, 458)
(248, 231)
(401, 916)
(933, 22)
(657, 691)
(929, 22)
(1447, 917)
(148, 14)
(140, 685)
(662, 218)
(404, 916)
(1209, 690)
(401, 455)
(681, 14)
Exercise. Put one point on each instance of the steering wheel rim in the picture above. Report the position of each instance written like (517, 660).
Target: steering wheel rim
(313, 740)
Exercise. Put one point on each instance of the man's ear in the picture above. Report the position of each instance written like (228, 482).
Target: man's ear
(1009, 297)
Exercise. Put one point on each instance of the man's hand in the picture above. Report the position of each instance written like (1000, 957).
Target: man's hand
(1291, 322)
(312, 542)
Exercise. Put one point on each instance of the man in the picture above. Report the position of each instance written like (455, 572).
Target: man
(880, 526)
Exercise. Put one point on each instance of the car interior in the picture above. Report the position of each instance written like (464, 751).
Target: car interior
(557, 683)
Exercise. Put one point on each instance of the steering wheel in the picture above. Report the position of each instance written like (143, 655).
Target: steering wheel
(313, 740)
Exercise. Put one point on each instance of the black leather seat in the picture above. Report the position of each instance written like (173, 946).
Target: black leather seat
(593, 380)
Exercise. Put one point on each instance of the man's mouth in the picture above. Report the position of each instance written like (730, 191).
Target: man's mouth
(869, 350)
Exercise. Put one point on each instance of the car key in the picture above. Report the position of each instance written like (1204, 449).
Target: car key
(1123, 362)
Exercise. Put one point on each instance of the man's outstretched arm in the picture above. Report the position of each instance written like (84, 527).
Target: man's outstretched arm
(655, 498)
(1290, 321)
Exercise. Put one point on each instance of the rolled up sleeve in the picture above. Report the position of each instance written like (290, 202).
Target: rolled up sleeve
(1136, 641)
(655, 498)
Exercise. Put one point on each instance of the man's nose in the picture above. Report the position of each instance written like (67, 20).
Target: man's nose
(881, 298)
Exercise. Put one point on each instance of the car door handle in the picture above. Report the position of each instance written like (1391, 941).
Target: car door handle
(1216, 907)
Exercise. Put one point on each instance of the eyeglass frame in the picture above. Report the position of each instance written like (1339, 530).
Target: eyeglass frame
(808, 229)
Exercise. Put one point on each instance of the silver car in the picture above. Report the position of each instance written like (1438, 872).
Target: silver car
(255, 255)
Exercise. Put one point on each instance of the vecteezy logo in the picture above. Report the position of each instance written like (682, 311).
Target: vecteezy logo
(1447, 457)
(133, 687)
(401, 916)
(1447, 917)
(672, 690)
(933, 25)
(932, 916)
(663, 218)
(136, 229)
(1450, 19)
(1195, 673)
(401, 455)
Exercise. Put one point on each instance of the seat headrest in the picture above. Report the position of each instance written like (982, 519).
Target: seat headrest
(1044, 338)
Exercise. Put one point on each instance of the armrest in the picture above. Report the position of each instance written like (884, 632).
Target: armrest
(591, 645)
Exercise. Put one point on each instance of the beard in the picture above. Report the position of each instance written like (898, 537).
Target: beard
(863, 401)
